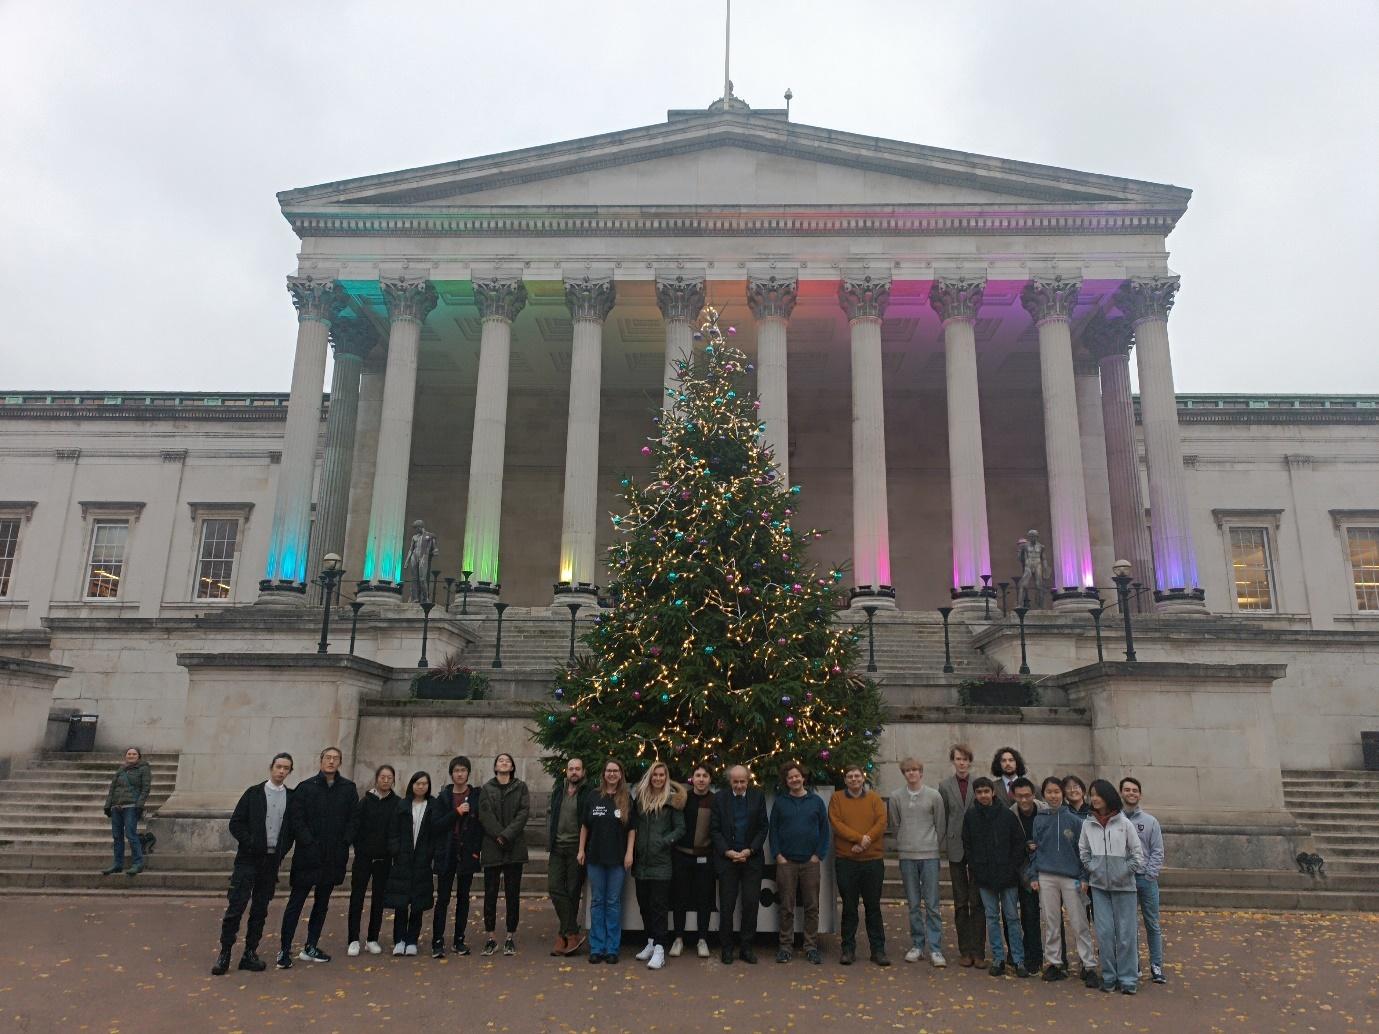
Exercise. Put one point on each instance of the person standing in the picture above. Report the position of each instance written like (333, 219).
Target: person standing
(995, 847)
(564, 874)
(1075, 796)
(1111, 855)
(691, 871)
(660, 823)
(261, 838)
(504, 807)
(919, 822)
(607, 837)
(1026, 808)
(858, 818)
(411, 844)
(738, 829)
(1147, 882)
(800, 834)
(1057, 879)
(458, 843)
(372, 860)
(322, 812)
(124, 805)
(1006, 766)
(958, 799)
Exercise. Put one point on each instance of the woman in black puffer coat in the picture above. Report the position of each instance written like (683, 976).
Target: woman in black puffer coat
(411, 844)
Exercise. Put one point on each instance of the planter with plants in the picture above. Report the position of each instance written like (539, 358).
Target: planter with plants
(998, 691)
(451, 679)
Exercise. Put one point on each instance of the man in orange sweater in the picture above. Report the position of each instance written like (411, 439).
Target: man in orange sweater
(858, 818)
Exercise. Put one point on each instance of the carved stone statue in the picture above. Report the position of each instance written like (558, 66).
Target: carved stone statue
(416, 566)
(1034, 571)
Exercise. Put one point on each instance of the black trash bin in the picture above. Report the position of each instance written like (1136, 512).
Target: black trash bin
(1369, 744)
(81, 733)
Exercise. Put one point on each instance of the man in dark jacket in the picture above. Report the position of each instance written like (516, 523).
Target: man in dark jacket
(263, 836)
(994, 845)
(738, 829)
(458, 839)
(322, 813)
(1025, 809)
(372, 860)
(564, 874)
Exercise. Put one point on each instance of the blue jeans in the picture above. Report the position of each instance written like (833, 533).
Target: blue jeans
(920, 876)
(1113, 912)
(124, 825)
(996, 902)
(1147, 891)
(605, 908)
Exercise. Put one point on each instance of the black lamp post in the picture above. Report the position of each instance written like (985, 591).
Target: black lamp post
(355, 608)
(1004, 587)
(1020, 613)
(871, 636)
(574, 609)
(464, 593)
(986, 595)
(449, 590)
(1096, 620)
(947, 652)
(330, 578)
(1137, 593)
(1122, 580)
(425, 630)
(498, 635)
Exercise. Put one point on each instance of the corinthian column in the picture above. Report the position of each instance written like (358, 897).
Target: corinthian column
(499, 303)
(772, 301)
(1146, 302)
(589, 301)
(409, 302)
(1109, 341)
(353, 340)
(680, 301)
(864, 300)
(1050, 302)
(318, 302)
(956, 301)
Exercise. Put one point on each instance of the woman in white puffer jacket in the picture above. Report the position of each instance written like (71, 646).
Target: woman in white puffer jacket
(1111, 855)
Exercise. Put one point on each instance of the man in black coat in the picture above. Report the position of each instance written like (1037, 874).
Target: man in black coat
(994, 844)
(322, 814)
(263, 835)
(738, 828)
(458, 840)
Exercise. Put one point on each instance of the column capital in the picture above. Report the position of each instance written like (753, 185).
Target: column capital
(355, 337)
(315, 298)
(957, 298)
(590, 299)
(408, 298)
(1050, 297)
(771, 296)
(1147, 297)
(1105, 337)
(499, 298)
(864, 297)
(681, 298)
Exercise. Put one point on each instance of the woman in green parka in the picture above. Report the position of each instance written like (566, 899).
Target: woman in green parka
(660, 823)
(124, 803)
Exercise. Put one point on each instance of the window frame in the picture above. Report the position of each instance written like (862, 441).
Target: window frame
(200, 514)
(1345, 522)
(1269, 521)
(93, 515)
(22, 513)
(106, 521)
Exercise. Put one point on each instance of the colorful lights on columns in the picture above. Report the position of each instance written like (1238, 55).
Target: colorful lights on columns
(772, 300)
(1146, 302)
(680, 301)
(318, 302)
(1109, 341)
(864, 300)
(1092, 435)
(956, 300)
(1050, 302)
(499, 302)
(589, 301)
(409, 302)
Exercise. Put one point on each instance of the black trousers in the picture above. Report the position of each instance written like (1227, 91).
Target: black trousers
(969, 915)
(512, 886)
(1030, 929)
(861, 881)
(653, 898)
(364, 873)
(320, 908)
(446, 882)
(691, 891)
(251, 884)
(407, 924)
(739, 881)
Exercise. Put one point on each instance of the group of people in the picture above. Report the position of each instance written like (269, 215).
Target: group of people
(1026, 867)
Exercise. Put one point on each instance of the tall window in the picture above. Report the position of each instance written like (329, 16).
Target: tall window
(215, 558)
(9, 546)
(1363, 547)
(109, 541)
(1251, 572)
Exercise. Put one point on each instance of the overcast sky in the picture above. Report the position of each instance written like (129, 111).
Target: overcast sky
(142, 143)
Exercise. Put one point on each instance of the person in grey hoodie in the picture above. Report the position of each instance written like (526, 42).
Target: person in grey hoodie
(1147, 882)
(1056, 876)
(918, 820)
(1111, 855)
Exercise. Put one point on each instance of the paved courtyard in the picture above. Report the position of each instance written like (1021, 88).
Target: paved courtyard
(121, 966)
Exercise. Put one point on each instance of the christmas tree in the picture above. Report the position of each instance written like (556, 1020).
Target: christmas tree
(720, 648)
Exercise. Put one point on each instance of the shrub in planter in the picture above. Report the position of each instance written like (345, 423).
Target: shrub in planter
(451, 679)
(998, 691)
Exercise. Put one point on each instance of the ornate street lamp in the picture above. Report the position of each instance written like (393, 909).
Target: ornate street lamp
(574, 609)
(987, 593)
(449, 591)
(329, 578)
(1004, 587)
(498, 635)
(464, 592)
(355, 608)
(1122, 580)
(947, 652)
(871, 610)
(426, 606)
(1096, 620)
(1020, 613)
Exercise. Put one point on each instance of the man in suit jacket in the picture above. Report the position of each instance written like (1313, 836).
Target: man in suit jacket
(1006, 767)
(738, 828)
(969, 917)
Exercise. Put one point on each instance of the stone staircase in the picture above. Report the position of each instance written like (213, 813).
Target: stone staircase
(1341, 810)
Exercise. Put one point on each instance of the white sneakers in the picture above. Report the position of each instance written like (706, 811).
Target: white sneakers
(913, 955)
(658, 958)
(937, 959)
(676, 947)
(353, 949)
(411, 949)
(646, 952)
(703, 948)
(400, 948)
(374, 948)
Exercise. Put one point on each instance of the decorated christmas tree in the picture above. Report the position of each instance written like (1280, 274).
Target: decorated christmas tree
(721, 648)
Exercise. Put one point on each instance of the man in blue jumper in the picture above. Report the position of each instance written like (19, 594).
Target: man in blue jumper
(1147, 882)
(800, 838)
